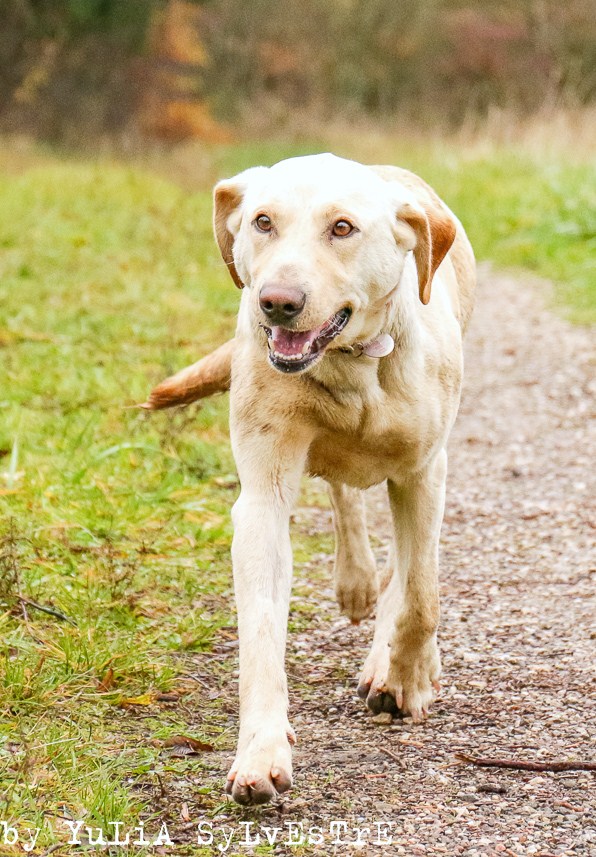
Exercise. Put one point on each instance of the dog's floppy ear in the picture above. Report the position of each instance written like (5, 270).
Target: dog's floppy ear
(435, 233)
(227, 199)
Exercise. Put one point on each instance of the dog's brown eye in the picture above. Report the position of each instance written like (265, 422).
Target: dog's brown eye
(263, 223)
(342, 228)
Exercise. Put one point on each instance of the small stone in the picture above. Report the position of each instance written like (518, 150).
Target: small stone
(385, 718)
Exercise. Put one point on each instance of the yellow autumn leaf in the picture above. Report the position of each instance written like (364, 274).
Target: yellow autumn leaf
(143, 699)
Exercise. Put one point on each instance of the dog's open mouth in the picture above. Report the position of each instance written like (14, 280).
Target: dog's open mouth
(295, 350)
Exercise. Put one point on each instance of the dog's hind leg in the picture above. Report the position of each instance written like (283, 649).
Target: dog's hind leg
(355, 572)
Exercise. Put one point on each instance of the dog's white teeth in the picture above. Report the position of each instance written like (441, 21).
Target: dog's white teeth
(291, 357)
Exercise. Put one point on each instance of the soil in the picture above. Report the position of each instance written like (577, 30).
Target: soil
(517, 633)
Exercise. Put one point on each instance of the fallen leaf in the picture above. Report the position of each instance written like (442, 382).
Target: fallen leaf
(144, 699)
(107, 681)
(410, 743)
(167, 697)
(184, 745)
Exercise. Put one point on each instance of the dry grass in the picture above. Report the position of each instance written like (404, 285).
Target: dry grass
(549, 133)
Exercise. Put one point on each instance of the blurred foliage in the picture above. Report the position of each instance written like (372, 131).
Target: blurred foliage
(89, 66)
(67, 67)
(378, 56)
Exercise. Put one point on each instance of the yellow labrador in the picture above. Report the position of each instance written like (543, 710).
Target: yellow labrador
(347, 364)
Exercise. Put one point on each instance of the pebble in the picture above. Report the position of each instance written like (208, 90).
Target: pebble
(383, 719)
(468, 797)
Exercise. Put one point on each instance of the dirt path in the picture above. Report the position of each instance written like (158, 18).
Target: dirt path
(517, 628)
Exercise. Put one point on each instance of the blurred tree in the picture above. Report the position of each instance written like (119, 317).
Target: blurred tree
(69, 67)
(173, 105)
(432, 60)
(65, 65)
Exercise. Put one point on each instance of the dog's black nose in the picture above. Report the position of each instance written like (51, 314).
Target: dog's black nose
(281, 303)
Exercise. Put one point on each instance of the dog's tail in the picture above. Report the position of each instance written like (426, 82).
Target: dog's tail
(212, 374)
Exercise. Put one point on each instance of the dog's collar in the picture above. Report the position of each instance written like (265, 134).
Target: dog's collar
(380, 346)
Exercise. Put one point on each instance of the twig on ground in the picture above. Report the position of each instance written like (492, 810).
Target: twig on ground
(52, 849)
(49, 610)
(520, 765)
(390, 754)
(162, 790)
(198, 679)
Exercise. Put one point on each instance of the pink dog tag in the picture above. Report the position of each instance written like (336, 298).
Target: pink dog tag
(379, 347)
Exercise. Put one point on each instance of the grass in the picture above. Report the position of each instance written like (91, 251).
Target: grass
(113, 519)
(118, 522)
(537, 217)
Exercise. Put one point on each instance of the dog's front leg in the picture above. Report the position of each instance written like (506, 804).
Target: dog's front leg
(403, 667)
(415, 664)
(262, 561)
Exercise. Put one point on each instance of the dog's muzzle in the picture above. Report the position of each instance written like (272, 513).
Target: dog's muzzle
(296, 350)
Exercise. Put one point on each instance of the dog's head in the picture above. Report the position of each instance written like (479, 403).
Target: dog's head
(321, 242)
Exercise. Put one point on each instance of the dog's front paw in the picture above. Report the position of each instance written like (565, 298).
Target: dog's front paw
(356, 592)
(262, 769)
(413, 677)
(372, 684)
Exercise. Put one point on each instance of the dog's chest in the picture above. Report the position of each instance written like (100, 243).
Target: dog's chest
(337, 458)
(383, 421)
(362, 444)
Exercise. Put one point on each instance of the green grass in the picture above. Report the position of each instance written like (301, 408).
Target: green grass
(119, 521)
(113, 518)
(537, 217)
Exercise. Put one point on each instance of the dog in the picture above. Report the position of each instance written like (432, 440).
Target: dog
(346, 364)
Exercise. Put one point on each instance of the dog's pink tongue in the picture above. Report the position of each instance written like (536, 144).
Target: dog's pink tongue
(292, 342)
